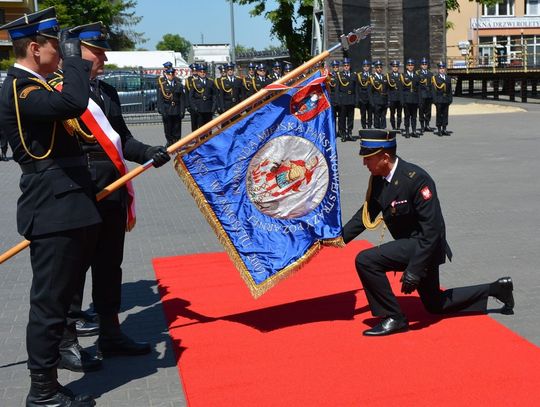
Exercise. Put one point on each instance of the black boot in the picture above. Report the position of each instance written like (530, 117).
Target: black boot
(112, 342)
(407, 134)
(445, 133)
(439, 131)
(3, 156)
(45, 391)
(73, 357)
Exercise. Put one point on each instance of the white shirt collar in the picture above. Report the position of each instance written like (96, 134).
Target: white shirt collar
(392, 171)
(24, 68)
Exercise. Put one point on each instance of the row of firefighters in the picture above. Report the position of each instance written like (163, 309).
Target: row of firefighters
(412, 92)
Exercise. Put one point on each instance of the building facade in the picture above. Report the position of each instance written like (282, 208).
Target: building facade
(11, 10)
(506, 34)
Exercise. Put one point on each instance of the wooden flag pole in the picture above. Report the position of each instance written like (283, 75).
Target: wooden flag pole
(196, 138)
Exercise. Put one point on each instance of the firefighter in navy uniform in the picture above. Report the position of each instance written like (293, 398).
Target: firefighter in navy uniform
(425, 95)
(57, 209)
(362, 95)
(410, 83)
(378, 96)
(276, 72)
(203, 96)
(442, 98)
(347, 100)
(248, 82)
(188, 85)
(106, 262)
(393, 79)
(261, 79)
(287, 68)
(406, 197)
(230, 89)
(332, 82)
(171, 104)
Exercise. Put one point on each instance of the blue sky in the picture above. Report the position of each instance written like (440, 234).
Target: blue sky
(196, 20)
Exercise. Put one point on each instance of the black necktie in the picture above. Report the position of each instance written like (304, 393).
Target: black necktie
(94, 87)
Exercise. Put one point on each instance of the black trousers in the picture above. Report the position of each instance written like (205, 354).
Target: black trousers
(172, 125)
(441, 119)
(373, 264)
(424, 111)
(395, 114)
(346, 119)
(3, 142)
(203, 118)
(411, 111)
(379, 116)
(335, 115)
(106, 264)
(59, 262)
(194, 117)
(366, 115)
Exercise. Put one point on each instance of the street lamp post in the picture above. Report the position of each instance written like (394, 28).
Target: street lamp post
(233, 42)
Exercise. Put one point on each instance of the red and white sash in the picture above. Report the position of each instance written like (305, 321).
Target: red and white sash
(98, 124)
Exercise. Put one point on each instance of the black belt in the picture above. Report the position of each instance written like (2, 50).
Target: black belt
(53, 164)
(97, 156)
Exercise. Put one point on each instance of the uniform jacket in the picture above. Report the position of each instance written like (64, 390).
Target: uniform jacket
(248, 86)
(60, 197)
(346, 88)
(203, 95)
(230, 92)
(331, 83)
(442, 89)
(103, 171)
(362, 87)
(410, 83)
(411, 210)
(424, 88)
(261, 82)
(170, 97)
(378, 89)
(393, 79)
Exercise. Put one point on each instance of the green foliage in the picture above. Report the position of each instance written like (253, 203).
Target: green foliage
(116, 15)
(241, 49)
(6, 63)
(291, 24)
(175, 43)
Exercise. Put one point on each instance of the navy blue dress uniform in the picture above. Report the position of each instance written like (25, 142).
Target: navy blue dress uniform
(378, 96)
(347, 100)
(332, 82)
(287, 68)
(230, 89)
(203, 97)
(363, 84)
(106, 262)
(393, 79)
(426, 95)
(261, 78)
(57, 208)
(171, 104)
(276, 71)
(410, 98)
(188, 85)
(248, 82)
(406, 197)
(442, 98)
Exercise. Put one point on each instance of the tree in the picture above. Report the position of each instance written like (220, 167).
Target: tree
(291, 24)
(174, 42)
(116, 15)
(241, 49)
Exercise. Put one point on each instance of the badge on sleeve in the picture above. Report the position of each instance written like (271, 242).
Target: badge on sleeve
(426, 193)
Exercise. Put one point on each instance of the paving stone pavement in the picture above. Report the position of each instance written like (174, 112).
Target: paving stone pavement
(486, 178)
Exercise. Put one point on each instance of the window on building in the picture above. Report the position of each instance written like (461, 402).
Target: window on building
(504, 8)
(532, 7)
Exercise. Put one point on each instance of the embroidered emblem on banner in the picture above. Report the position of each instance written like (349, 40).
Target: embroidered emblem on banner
(280, 181)
(309, 102)
(426, 193)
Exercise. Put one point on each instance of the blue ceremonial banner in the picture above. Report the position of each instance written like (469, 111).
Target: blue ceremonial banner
(269, 184)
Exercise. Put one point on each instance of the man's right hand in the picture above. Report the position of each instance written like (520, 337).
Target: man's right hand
(70, 45)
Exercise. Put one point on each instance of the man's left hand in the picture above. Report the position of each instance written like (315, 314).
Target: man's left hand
(409, 282)
(158, 154)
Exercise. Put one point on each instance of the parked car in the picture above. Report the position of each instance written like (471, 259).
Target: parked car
(137, 92)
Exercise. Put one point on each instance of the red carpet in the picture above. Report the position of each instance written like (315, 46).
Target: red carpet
(301, 344)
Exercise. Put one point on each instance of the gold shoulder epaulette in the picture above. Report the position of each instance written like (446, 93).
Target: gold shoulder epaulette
(412, 174)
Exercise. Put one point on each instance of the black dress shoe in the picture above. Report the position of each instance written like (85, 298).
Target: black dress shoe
(121, 345)
(388, 326)
(76, 359)
(85, 328)
(505, 295)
